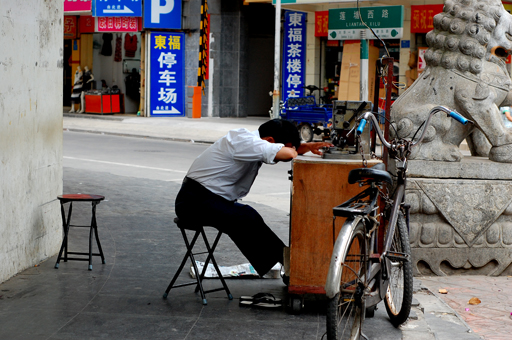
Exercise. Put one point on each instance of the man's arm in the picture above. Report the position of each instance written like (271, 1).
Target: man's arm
(286, 154)
(314, 147)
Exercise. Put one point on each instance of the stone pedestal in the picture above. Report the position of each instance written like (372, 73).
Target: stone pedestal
(461, 217)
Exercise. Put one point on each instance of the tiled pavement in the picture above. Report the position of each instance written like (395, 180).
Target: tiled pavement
(490, 319)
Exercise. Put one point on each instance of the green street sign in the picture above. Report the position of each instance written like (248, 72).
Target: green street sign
(386, 21)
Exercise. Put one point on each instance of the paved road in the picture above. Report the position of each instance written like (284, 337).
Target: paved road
(165, 161)
(139, 158)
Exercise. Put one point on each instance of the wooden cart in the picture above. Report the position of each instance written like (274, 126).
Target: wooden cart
(318, 185)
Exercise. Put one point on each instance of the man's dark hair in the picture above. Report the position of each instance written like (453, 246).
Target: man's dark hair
(283, 131)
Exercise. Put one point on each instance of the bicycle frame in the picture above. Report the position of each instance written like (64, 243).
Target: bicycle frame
(399, 151)
(332, 286)
(377, 266)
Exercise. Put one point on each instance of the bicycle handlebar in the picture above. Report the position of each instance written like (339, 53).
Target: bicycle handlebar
(368, 115)
(459, 118)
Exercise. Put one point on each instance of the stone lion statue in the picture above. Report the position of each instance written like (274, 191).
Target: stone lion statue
(466, 72)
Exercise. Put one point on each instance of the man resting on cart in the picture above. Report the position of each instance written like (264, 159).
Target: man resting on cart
(225, 172)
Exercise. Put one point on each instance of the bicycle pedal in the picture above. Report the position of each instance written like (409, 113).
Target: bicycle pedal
(397, 257)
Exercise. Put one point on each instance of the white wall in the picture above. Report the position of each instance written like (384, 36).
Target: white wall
(104, 67)
(30, 132)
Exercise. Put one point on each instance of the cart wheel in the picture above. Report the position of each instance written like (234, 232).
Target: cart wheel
(296, 304)
(306, 132)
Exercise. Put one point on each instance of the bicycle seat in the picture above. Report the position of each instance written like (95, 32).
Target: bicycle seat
(376, 173)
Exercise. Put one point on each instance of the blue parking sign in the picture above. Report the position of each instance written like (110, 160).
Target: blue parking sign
(117, 8)
(167, 74)
(162, 14)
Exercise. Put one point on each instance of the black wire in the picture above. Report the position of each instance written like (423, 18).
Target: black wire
(421, 126)
(375, 34)
(390, 124)
(417, 131)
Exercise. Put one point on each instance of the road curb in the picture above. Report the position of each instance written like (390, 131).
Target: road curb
(169, 139)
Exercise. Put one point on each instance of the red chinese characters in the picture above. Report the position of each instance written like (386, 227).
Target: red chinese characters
(87, 24)
(118, 24)
(422, 17)
(70, 27)
(321, 23)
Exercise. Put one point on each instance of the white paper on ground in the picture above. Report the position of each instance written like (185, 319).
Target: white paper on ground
(245, 269)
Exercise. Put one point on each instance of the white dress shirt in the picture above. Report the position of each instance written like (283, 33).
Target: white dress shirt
(229, 167)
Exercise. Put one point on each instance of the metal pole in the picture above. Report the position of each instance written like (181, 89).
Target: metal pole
(363, 88)
(387, 63)
(277, 53)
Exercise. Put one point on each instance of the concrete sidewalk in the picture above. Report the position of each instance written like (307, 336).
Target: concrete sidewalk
(202, 130)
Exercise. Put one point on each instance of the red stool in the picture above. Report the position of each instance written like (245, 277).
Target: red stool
(95, 200)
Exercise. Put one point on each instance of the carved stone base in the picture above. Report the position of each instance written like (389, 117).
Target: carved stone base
(460, 225)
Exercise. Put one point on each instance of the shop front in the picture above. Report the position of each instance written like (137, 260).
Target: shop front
(102, 63)
(340, 31)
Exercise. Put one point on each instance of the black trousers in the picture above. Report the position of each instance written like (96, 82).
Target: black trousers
(259, 244)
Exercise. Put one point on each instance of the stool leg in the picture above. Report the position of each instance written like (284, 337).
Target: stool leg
(210, 256)
(65, 227)
(91, 230)
(193, 260)
(67, 234)
(199, 279)
(185, 258)
(95, 225)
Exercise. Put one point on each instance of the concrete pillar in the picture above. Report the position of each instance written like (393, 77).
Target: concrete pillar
(30, 132)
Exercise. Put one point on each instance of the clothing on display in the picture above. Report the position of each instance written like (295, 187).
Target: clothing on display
(87, 85)
(106, 49)
(119, 52)
(132, 82)
(77, 87)
(130, 45)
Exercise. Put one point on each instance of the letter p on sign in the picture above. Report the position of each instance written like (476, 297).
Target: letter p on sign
(164, 14)
(157, 9)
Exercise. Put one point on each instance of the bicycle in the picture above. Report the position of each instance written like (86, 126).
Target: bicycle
(359, 276)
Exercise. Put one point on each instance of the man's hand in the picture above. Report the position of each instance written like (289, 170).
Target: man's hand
(314, 147)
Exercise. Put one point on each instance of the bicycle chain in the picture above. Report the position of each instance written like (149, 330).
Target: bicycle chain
(361, 150)
(373, 155)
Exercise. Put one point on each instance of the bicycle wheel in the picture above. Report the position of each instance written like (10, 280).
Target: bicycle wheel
(345, 311)
(399, 292)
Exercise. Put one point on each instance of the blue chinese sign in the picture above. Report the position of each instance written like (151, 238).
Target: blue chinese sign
(167, 75)
(117, 8)
(294, 55)
(162, 14)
